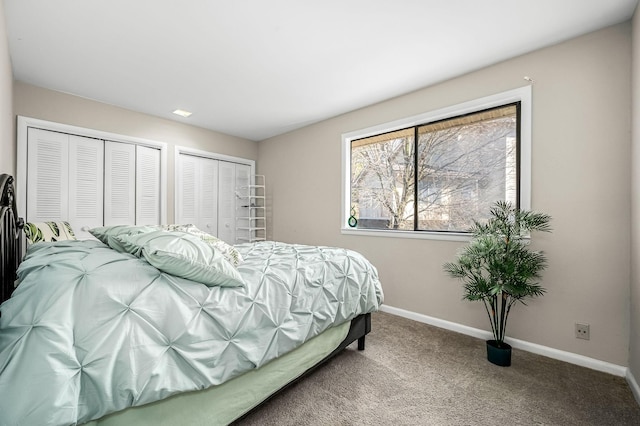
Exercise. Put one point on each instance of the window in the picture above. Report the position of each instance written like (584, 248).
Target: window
(437, 173)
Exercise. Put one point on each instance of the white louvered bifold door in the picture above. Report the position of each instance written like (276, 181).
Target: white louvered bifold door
(243, 187)
(243, 180)
(227, 202)
(187, 189)
(119, 183)
(197, 192)
(147, 186)
(47, 176)
(86, 162)
(208, 196)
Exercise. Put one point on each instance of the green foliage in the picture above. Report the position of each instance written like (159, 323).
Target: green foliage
(497, 266)
(32, 233)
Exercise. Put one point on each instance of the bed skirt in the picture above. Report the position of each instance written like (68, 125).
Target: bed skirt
(221, 405)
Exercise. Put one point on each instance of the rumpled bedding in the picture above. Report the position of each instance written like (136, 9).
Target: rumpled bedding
(90, 331)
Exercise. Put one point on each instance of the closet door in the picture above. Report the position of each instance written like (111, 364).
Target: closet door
(243, 208)
(119, 180)
(147, 186)
(86, 162)
(65, 179)
(197, 192)
(47, 176)
(243, 180)
(90, 182)
(187, 189)
(234, 181)
(208, 196)
(227, 202)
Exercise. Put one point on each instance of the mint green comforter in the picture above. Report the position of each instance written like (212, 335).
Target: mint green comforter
(90, 331)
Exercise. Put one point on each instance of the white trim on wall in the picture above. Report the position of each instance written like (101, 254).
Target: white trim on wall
(633, 384)
(21, 168)
(570, 357)
(215, 156)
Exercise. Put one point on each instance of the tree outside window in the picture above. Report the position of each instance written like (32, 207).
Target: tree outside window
(459, 167)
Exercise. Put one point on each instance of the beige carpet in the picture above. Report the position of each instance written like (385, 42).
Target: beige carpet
(415, 374)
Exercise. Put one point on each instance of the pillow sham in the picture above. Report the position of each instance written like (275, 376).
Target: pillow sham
(48, 231)
(227, 250)
(107, 234)
(183, 255)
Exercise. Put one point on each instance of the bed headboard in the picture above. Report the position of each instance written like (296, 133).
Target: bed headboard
(10, 237)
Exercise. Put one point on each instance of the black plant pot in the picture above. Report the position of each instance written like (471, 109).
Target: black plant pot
(499, 355)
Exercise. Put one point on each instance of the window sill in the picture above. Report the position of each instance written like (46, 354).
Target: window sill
(421, 235)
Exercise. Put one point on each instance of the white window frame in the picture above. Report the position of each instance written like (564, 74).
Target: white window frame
(24, 123)
(522, 95)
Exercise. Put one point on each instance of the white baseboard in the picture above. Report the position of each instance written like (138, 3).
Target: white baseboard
(633, 384)
(581, 360)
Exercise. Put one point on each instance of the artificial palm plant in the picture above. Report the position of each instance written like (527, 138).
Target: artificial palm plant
(497, 265)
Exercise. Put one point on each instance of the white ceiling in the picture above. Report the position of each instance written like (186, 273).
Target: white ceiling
(259, 68)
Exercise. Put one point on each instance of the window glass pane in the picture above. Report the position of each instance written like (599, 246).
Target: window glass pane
(382, 180)
(465, 164)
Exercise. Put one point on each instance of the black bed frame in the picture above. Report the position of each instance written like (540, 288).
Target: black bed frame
(10, 237)
(11, 255)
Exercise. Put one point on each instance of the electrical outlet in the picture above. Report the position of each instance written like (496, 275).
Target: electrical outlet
(582, 331)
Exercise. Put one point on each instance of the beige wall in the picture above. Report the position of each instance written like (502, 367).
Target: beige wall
(7, 122)
(581, 176)
(634, 335)
(36, 102)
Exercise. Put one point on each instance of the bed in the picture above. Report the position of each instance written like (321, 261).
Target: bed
(105, 333)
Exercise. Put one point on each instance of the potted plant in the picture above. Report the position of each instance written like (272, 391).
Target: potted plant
(498, 268)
